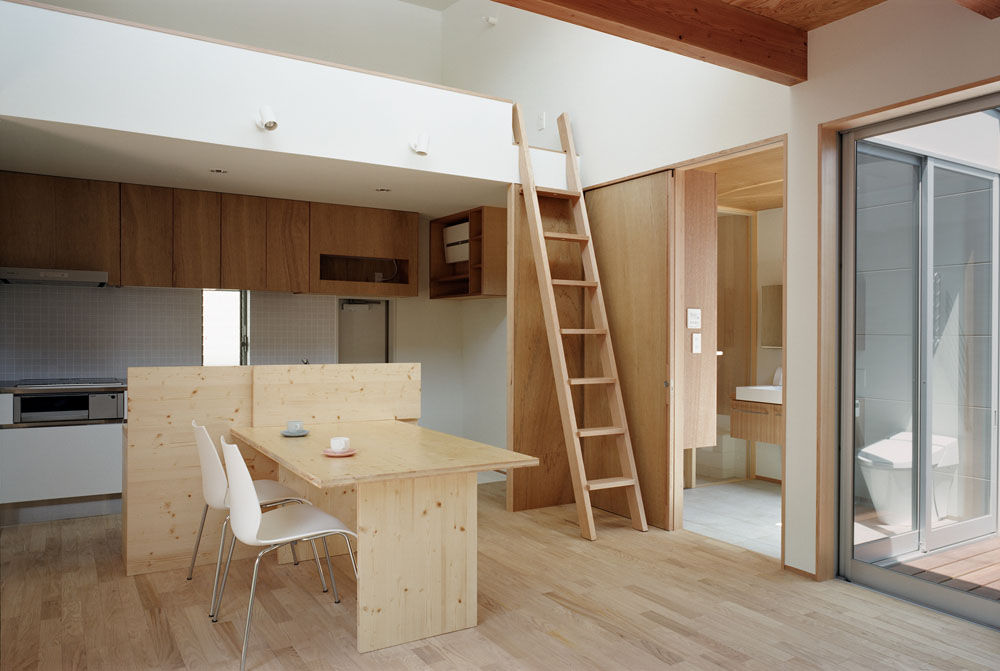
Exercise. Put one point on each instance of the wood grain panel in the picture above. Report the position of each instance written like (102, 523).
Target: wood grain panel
(809, 14)
(771, 319)
(629, 227)
(287, 245)
(147, 235)
(494, 270)
(197, 239)
(759, 422)
(243, 238)
(87, 230)
(697, 218)
(329, 393)
(735, 298)
(367, 233)
(752, 180)
(534, 425)
(708, 30)
(27, 219)
(438, 513)
(162, 500)
(988, 8)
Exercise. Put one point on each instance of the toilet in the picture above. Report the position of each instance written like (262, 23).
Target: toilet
(887, 468)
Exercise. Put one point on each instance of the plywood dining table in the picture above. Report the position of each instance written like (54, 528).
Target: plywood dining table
(414, 492)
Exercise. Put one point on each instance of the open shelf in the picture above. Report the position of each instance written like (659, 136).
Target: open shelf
(485, 272)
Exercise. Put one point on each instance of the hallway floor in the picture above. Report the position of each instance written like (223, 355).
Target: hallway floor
(745, 513)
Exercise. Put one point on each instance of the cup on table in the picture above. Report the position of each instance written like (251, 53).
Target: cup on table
(340, 445)
(295, 426)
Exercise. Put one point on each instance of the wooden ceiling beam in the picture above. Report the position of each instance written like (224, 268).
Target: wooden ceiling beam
(709, 30)
(988, 8)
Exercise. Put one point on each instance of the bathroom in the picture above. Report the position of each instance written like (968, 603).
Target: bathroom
(733, 490)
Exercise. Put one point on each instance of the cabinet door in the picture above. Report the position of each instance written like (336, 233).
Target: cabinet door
(287, 245)
(87, 228)
(494, 268)
(244, 242)
(362, 251)
(197, 239)
(27, 215)
(147, 236)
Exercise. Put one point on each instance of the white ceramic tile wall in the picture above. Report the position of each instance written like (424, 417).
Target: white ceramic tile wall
(287, 328)
(51, 331)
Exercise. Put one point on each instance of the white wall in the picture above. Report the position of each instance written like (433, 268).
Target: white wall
(896, 51)
(484, 370)
(633, 107)
(770, 269)
(387, 36)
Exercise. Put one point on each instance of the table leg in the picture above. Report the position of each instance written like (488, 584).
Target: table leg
(416, 558)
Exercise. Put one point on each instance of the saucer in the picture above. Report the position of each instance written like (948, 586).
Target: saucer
(348, 453)
(295, 434)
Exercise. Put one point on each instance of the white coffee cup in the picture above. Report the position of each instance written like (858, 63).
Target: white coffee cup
(340, 445)
(295, 426)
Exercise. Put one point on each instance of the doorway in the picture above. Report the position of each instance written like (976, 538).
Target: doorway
(733, 489)
(920, 358)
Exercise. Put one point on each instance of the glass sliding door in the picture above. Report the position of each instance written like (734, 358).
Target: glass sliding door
(920, 360)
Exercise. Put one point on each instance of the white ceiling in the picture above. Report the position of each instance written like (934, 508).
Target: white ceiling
(42, 147)
(439, 5)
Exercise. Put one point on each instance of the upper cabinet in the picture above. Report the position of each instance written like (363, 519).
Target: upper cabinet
(57, 222)
(244, 242)
(197, 239)
(287, 245)
(362, 251)
(468, 254)
(147, 218)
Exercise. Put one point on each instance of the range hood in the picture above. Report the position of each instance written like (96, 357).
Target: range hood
(76, 278)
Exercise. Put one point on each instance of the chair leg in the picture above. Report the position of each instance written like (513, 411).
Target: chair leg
(253, 590)
(329, 567)
(295, 556)
(225, 576)
(197, 541)
(218, 567)
(319, 567)
(350, 553)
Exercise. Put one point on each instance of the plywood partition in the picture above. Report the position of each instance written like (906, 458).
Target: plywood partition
(628, 222)
(533, 422)
(162, 499)
(735, 310)
(335, 393)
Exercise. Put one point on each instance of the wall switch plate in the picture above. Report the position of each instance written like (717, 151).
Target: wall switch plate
(541, 121)
(694, 318)
(696, 343)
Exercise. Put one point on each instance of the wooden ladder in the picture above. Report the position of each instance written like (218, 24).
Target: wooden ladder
(607, 381)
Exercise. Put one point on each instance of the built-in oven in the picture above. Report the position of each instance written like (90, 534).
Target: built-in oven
(52, 402)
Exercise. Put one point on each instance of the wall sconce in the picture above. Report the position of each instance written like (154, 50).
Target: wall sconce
(419, 146)
(266, 119)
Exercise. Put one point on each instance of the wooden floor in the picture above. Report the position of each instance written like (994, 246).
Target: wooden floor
(971, 568)
(548, 600)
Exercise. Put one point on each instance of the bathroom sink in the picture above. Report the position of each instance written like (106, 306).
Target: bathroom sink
(761, 393)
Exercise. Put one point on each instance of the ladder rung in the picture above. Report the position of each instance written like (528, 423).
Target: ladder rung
(576, 381)
(609, 483)
(553, 192)
(568, 237)
(600, 431)
(584, 331)
(575, 283)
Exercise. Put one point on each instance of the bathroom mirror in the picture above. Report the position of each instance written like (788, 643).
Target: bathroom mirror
(771, 321)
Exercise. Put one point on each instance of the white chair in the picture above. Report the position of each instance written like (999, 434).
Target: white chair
(215, 489)
(273, 529)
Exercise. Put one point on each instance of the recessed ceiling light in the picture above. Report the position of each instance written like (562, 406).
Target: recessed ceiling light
(383, 189)
(218, 171)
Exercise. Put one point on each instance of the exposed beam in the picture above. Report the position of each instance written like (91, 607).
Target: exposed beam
(988, 8)
(709, 30)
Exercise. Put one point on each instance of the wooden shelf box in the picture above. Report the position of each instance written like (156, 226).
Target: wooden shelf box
(484, 274)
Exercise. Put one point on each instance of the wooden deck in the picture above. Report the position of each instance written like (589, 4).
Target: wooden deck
(547, 600)
(971, 568)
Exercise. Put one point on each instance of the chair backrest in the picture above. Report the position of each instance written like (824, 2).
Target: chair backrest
(244, 507)
(213, 478)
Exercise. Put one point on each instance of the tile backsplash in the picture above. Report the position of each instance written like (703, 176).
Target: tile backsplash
(287, 328)
(53, 331)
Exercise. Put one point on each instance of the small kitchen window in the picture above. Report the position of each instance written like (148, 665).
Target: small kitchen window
(224, 327)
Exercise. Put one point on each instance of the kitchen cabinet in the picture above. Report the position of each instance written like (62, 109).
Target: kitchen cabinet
(58, 222)
(197, 239)
(484, 273)
(56, 462)
(244, 242)
(362, 251)
(147, 218)
(287, 245)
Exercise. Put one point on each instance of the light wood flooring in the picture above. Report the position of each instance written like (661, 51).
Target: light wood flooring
(547, 600)
(971, 568)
